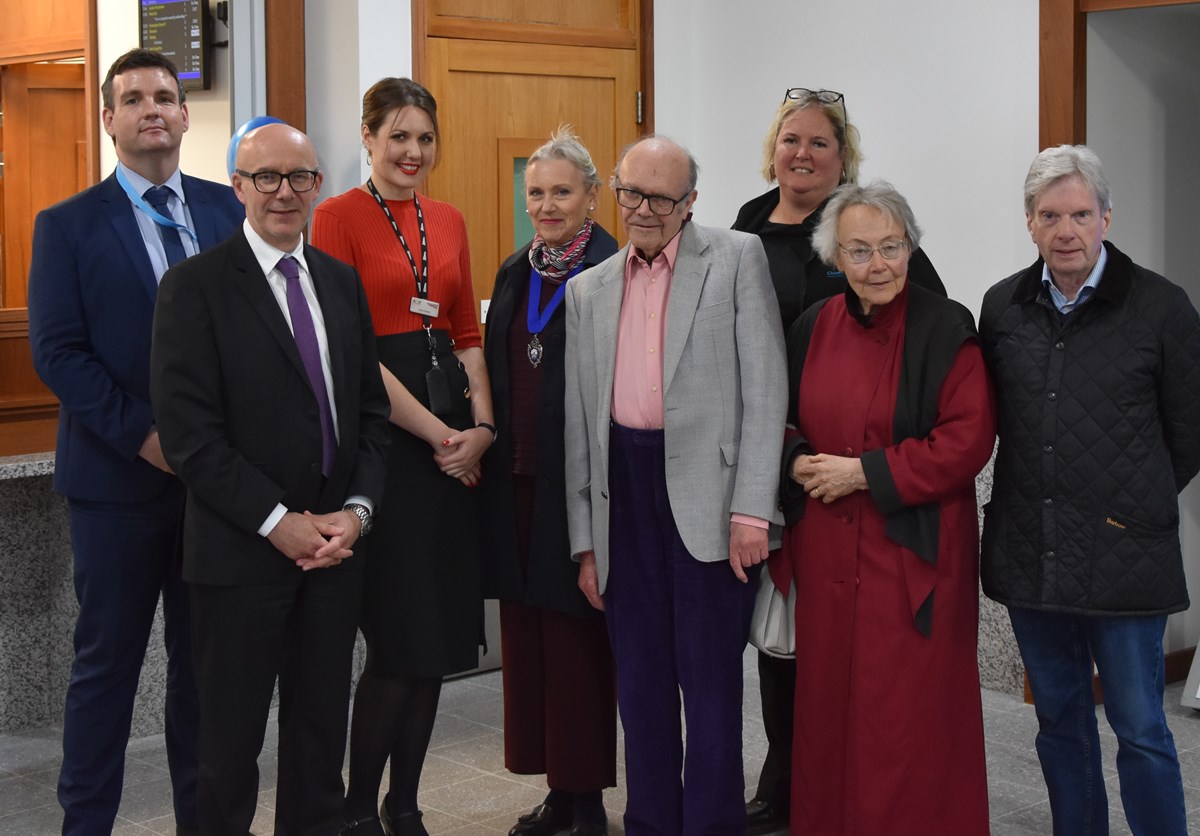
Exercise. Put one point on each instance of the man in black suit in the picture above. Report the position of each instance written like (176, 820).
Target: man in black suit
(271, 409)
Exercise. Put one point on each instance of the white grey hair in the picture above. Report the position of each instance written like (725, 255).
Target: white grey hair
(880, 195)
(1053, 164)
(565, 145)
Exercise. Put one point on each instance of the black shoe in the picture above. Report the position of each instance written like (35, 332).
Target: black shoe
(763, 817)
(543, 820)
(368, 826)
(404, 824)
(590, 828)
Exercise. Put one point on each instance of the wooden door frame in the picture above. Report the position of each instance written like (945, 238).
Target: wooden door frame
(1062, 64)
(284, 34)
(1062, 119)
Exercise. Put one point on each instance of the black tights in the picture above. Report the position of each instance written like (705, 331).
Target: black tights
(393, 717)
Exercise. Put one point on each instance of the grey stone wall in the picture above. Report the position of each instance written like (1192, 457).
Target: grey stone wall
(38, 610)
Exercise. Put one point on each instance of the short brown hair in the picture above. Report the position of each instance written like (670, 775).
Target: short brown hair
(136, 59)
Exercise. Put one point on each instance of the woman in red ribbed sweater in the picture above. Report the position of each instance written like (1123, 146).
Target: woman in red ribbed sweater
(423, 606)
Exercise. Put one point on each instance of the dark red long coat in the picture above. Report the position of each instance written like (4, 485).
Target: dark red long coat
(889, 726)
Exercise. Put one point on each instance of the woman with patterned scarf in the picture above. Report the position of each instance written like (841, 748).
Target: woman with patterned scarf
(559, 702)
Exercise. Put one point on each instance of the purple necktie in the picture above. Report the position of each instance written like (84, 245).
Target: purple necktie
(310, 352)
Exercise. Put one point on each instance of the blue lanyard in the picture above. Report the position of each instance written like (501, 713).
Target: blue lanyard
(537, 321)
(140, 203)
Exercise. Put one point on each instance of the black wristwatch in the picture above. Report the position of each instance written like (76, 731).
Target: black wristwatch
(364, 517)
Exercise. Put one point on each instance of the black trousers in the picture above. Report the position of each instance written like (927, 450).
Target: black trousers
(245, 637)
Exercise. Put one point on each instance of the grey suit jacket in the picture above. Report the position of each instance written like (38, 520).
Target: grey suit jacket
(724, 392)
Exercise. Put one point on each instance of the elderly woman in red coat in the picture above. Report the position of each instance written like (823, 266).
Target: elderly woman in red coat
(892, 417)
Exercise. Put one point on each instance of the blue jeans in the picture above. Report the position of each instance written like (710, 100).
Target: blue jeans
(1058, 650)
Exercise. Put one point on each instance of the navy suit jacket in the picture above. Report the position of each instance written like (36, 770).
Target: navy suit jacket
(91, 304)
(237, 415)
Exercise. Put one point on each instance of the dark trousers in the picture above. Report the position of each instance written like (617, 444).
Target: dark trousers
(560, 701)
(126, 557)
(777, 690)
(677, 626)
(560, 712)
(245, 636)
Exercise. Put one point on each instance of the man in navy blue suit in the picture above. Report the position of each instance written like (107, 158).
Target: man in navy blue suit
(93, 280)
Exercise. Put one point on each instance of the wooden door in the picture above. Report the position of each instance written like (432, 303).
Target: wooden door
(497, 102)
(45, 156)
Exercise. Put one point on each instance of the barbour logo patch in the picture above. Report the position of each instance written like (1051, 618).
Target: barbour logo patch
(1114, 523)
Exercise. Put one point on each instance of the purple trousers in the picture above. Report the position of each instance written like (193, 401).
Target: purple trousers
(678, 627)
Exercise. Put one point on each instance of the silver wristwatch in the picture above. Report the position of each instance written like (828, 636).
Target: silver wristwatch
(364, 517)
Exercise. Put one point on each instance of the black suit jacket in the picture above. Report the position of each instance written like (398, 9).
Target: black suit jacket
(236, 414)
(552, 577)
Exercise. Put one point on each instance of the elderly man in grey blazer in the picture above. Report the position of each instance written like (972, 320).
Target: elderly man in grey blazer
(676, 394)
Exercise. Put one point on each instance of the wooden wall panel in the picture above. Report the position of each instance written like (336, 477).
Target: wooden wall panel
(600, 23)
(28, 412)
(596, 14)
(45, 156)
(45, 29)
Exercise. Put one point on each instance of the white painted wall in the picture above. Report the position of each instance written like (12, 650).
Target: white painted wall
(207, 139)
(349, 46)
(1143, 74)
(945, 94)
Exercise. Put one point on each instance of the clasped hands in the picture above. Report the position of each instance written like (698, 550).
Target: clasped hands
(316, 541)
(460, 453)
(827, 478)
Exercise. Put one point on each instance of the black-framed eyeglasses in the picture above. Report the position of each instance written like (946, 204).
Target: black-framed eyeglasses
(268, 182)
(802, 94)
(660, 204)
(861, 253)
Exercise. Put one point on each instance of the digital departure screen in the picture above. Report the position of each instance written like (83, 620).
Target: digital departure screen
(177, 29)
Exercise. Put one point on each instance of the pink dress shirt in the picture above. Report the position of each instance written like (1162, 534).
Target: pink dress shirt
(637, 398)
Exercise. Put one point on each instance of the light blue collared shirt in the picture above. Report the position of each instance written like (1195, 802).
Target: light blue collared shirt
(1064, 305)
(176, 204)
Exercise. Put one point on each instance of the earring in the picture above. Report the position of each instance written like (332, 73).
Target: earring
(526, 211)
(591, 208)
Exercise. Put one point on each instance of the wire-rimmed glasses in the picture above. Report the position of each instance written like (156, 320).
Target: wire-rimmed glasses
(861, 253)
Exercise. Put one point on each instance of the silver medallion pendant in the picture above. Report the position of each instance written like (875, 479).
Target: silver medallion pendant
(534, 351)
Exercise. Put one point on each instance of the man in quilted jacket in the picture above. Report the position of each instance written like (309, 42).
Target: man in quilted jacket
(1097, 368)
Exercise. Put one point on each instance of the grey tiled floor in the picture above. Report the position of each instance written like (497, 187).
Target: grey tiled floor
(465, 789)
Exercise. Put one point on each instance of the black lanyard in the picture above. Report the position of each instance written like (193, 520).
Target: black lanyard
(422, 277)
